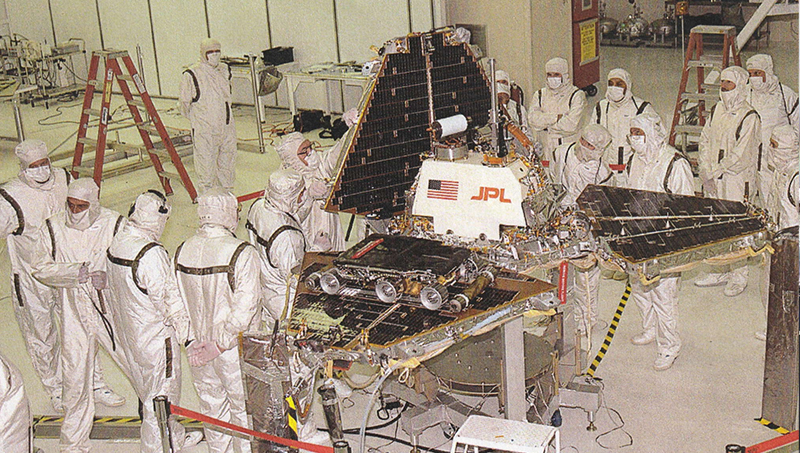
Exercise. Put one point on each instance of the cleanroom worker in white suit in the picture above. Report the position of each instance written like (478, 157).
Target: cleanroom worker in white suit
(657, 167)
(205, 99)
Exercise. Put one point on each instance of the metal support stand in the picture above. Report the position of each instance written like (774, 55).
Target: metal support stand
(341, 446)
(579, 367)
(493, 114)
(514, 400)
(333, 416)
(18, 112)
(161, 407)
(18, 119)
(683, 36)
(257, 102)
(591, 426)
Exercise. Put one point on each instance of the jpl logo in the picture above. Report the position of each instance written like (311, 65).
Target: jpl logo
(491, 192)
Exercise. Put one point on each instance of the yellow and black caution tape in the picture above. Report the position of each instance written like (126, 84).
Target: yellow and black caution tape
(291, 416)
(773, 426)
(612, 329)
(44, 419)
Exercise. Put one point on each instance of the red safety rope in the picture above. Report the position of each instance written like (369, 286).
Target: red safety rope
(774, 443)
(250, 196)
(177, 410)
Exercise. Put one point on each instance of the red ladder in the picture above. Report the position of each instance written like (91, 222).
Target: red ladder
(695, 59)
(113, 70)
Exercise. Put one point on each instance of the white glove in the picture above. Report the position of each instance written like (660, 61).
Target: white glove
(350, 117)
(192, 352)
(83, 273)
(538, 148)
(322, 242)
(710, 187)
(318, 189)
(98, 279)
(206, 352)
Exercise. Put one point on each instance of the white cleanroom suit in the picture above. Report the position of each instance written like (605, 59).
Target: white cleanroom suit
(782, 200)
(25, 205)
(70, 255)
(515, 112)
(658, 167)
(615, 112)
(777, 105)
(555, 110)
(281, 247)
(729, 148)
(323, 230)
(16, 434)
(218, 277)
(729, 142)
(277, 235)
(580, 164)
(205, 99)
(149, 313)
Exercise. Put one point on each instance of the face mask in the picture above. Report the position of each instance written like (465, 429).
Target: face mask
(637, 142)
(213, 59)
(727, 98)
(81, 220)
(553, 82)
(39, 174)
(585, 154)
(615, 94)
(757, 83)
(313, 159)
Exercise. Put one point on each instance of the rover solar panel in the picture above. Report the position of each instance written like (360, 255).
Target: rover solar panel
(404, 254)
(355, 315)
(422, 77)
(639, 226)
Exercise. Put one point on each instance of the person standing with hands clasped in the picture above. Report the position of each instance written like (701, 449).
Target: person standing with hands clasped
(219, 278)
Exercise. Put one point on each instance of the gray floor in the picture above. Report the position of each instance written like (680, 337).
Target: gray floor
(707, 400)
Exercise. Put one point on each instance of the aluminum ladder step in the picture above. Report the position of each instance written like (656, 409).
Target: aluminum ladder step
(708, 97)
(688, 129)
(706, 62)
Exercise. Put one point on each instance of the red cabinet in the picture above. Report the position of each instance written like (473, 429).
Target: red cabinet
(585, 45)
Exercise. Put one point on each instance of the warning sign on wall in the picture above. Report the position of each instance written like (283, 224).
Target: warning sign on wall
(588, 36)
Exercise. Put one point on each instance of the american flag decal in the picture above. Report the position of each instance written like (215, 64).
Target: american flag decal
(443, 190)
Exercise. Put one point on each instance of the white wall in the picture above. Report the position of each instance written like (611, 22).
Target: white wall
(5, 27)
(783, 29)
(310, 26)
(508, 36)
(520, 35)
(31, 19)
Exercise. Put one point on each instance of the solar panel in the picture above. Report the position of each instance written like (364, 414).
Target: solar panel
(422, 77)
(638, 225)
(339, 320)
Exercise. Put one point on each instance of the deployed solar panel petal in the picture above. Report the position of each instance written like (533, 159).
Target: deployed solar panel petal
(639, 225)
(423, 77)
